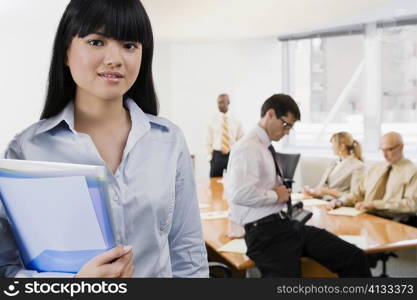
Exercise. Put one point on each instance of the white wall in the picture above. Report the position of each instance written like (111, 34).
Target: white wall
(249, 71)
(25, 50)
(188, 77)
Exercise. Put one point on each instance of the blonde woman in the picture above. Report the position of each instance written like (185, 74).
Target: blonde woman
(343, 174)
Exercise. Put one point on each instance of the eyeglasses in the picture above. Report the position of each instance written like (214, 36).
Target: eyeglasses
(287, 125)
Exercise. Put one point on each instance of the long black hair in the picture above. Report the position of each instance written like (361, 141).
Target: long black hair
(123, 20)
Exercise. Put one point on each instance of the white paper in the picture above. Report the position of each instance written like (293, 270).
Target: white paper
(51, 169)
(345, 211)
(357, 240)
(295, 197)
(234, 246)
(203, 205)
(210, 215)
(53, 213)
(314, 202)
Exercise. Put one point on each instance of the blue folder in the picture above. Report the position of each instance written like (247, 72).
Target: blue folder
(65, 261)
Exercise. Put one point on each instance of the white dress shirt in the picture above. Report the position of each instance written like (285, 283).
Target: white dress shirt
(153, 195)
(251, 176)
(215, 130)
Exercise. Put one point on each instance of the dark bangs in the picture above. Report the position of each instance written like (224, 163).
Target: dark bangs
(117, 19)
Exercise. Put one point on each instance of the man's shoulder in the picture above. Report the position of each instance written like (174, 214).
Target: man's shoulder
(234, 118)
(376, 167)
(247, 143)
(213, 119)
(409, 165)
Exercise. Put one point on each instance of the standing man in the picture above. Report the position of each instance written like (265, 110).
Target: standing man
(257, 198)
(224, 131)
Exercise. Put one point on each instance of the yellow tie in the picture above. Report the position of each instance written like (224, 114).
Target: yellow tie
(382, 185)
(225, 148)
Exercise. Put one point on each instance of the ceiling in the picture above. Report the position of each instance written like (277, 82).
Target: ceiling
(216, 20)
(211, 20)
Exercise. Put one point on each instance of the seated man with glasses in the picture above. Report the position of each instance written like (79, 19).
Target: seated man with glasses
(389, 188)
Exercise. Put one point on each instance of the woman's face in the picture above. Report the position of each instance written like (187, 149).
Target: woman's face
(103, 67)
(335, 147)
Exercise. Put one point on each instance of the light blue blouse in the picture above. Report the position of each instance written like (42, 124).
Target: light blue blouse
(153, 193)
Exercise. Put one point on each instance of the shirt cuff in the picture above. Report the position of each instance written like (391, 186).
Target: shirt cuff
(379, 204)
(343, 199)
(271, 197)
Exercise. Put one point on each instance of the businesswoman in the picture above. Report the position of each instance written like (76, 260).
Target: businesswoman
(101, 109)
(343, 174)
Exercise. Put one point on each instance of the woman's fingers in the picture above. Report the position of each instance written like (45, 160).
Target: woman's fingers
(112, 254)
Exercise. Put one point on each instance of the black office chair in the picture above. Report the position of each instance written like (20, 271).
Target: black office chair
(288, 163)
(219, 270)
(409, 219)
(374, 258)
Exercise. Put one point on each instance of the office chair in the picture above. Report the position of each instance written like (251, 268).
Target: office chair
(409, 219)
(219, 270)
(373, 259)
(288, 163)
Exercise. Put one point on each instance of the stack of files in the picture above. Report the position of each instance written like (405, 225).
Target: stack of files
(314, 202)
(58, 213)
(234, 246)
(211, 215)
(345, 211)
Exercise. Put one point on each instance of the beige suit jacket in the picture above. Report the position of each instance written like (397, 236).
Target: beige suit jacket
(401, 191)
(343, 177)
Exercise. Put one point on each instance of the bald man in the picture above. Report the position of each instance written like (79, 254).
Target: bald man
(389, 188)
(223, 132)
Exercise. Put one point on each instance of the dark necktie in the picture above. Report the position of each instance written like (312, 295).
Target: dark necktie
(278, 172)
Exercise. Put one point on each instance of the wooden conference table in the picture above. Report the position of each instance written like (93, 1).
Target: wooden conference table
(380, 234)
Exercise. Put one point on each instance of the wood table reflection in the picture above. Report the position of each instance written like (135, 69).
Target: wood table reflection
(380, 234)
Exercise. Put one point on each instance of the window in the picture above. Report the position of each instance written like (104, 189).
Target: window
(326, 79)
(364, 83)
(399, 81)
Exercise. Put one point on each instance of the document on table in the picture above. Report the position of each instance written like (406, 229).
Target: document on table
(234, 246)
(357, 240)
(211, 215)
(295, 197)
(314, 202)
(345, 211)
(203, 205)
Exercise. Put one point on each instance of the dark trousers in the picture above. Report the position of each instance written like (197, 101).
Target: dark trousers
(276, 248)
(218, 163)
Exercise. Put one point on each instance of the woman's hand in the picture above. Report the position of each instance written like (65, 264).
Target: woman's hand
(114, 263)
(315, 193)
(307, 192)
(364, 206)
(334, 204)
